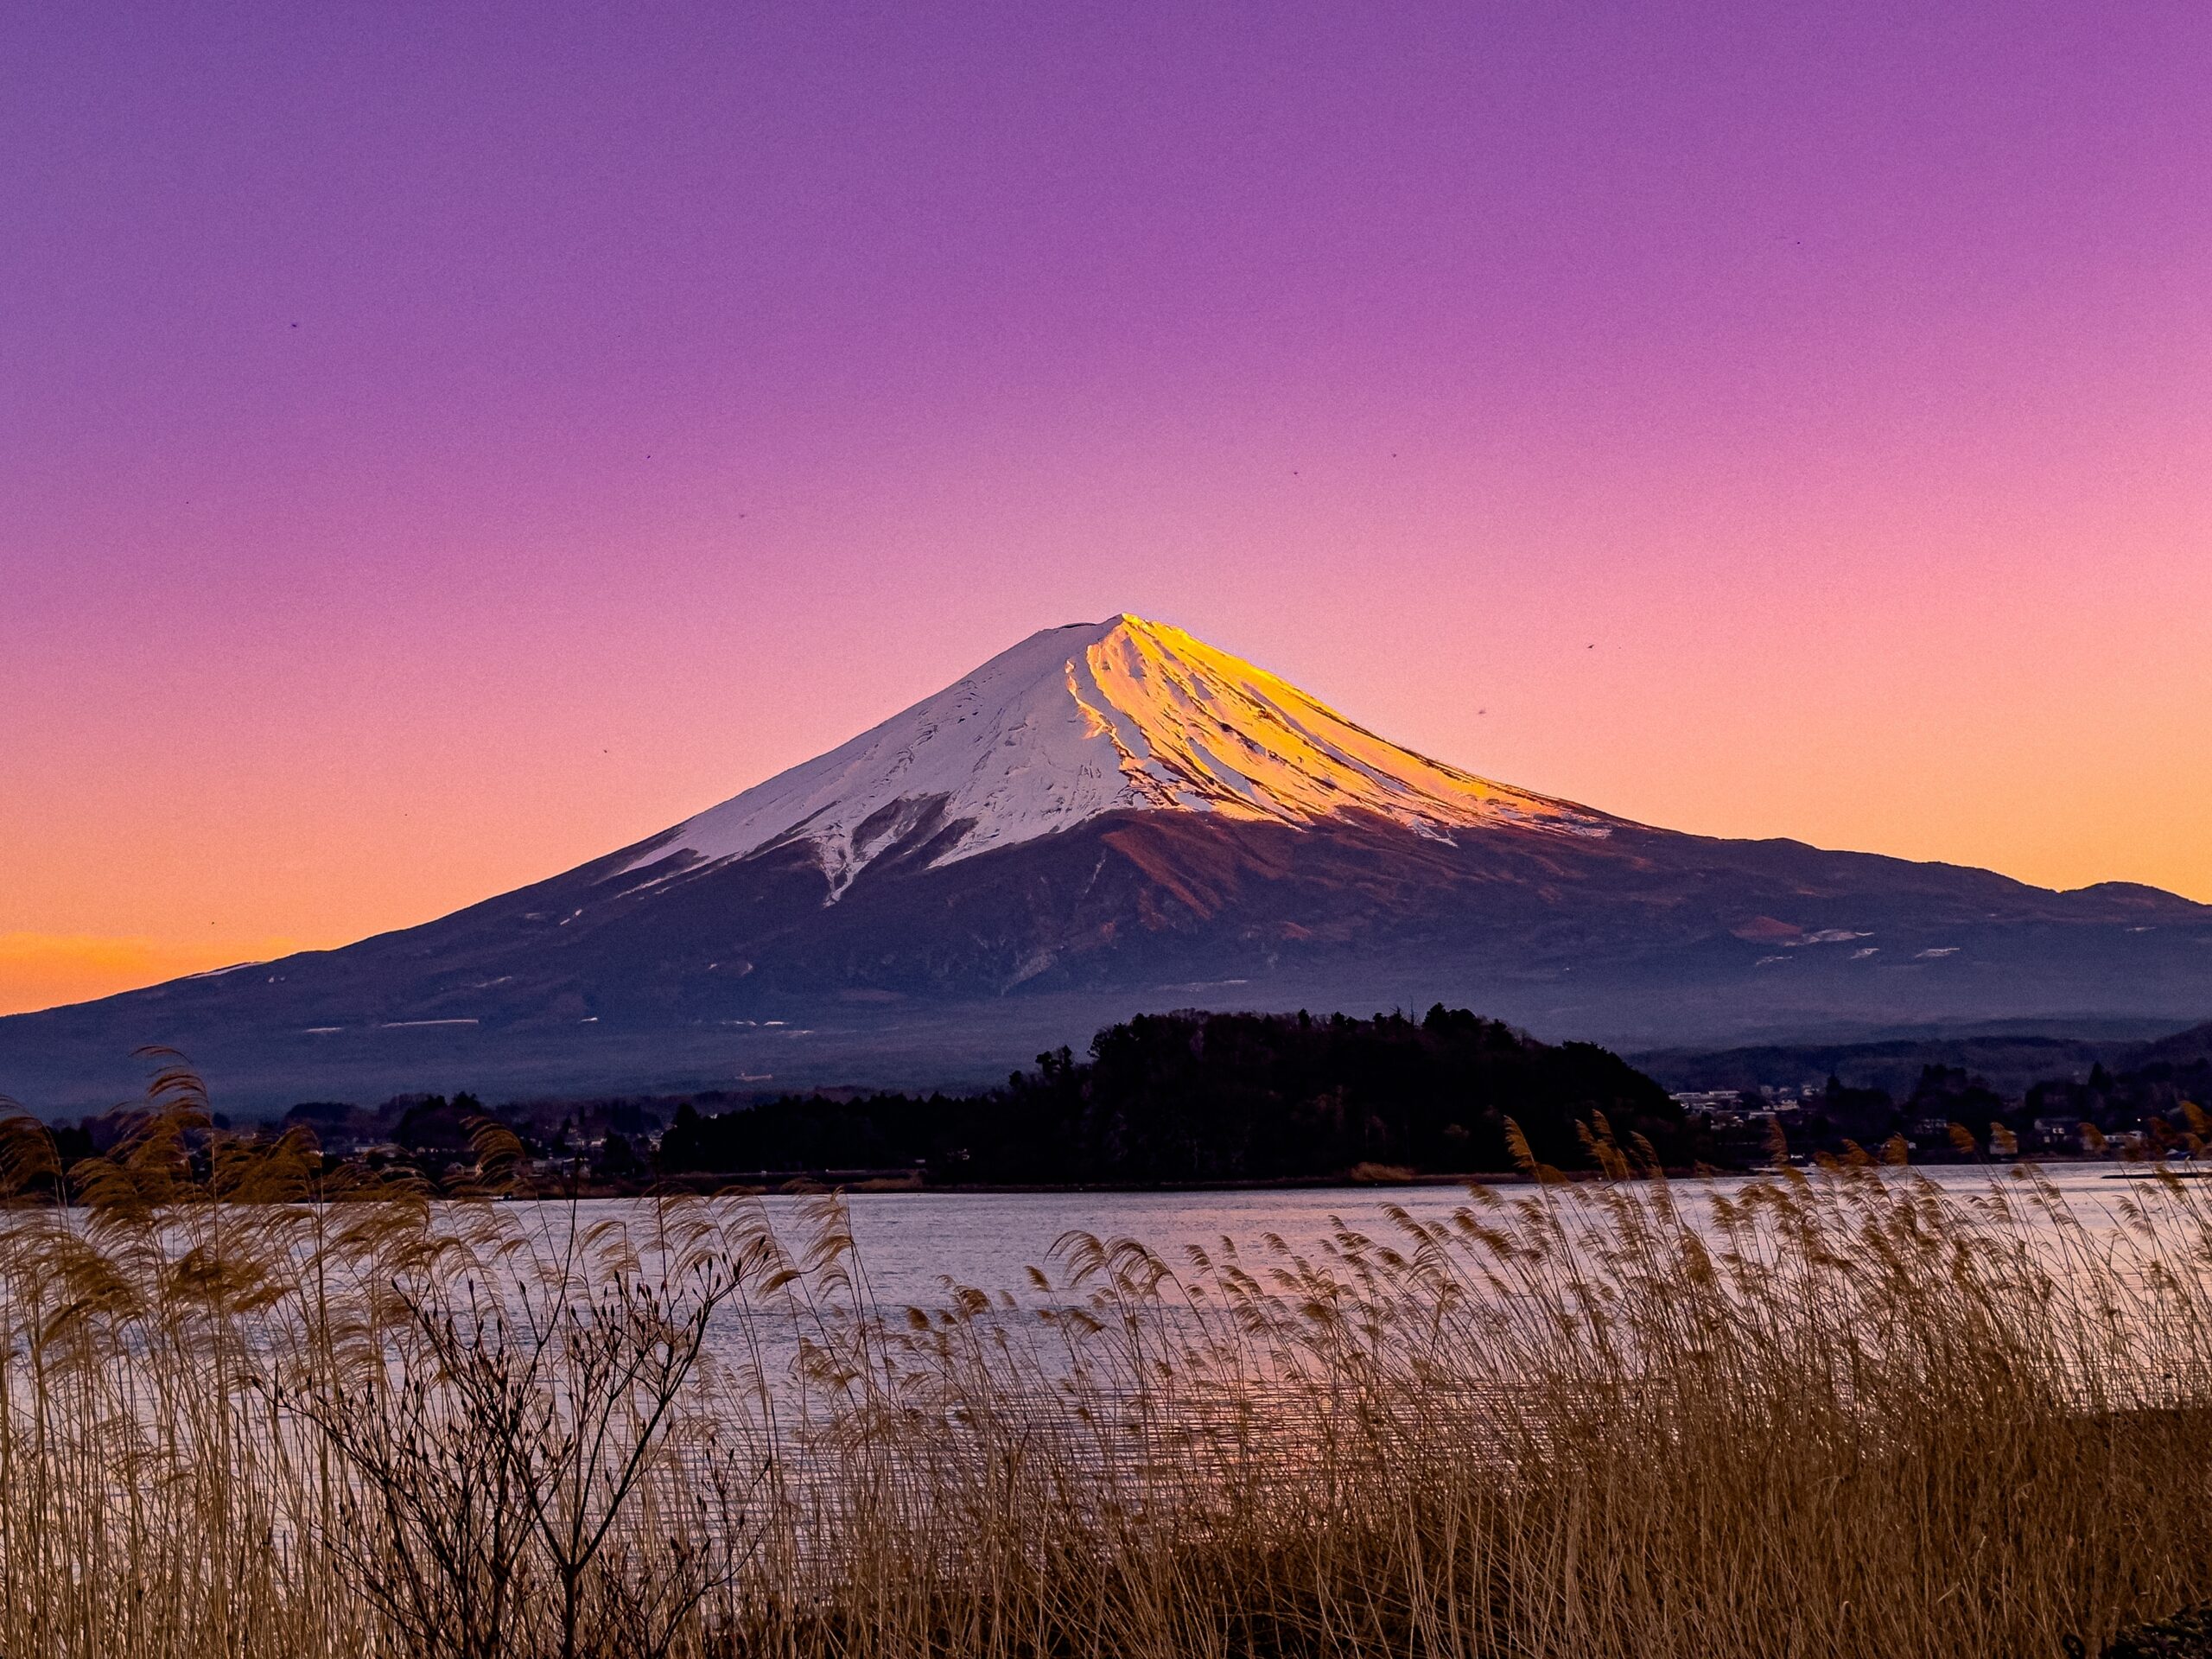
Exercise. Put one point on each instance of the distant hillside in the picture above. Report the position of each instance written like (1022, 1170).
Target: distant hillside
(2009, 1063)
(2182, 1048)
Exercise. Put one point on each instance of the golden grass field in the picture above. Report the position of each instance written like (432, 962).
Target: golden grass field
(1836, 1412)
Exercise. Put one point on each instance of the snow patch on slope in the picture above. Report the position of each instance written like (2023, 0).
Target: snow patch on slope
(1092, 718)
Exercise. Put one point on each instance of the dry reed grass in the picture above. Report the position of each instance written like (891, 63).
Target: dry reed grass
(244, 1411)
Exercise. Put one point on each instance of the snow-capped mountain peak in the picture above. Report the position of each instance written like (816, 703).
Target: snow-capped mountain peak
(1098, 717)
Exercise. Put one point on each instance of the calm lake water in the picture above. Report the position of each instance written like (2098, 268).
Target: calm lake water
(912, 1243)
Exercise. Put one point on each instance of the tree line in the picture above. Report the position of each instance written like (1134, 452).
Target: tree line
(1199, 1097)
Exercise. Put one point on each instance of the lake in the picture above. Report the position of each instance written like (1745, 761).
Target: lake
(912, 1243)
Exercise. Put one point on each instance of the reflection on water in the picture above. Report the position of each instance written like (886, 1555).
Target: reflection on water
(913, 1244)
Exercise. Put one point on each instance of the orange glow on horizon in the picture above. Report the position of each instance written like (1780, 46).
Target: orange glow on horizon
(40, 970)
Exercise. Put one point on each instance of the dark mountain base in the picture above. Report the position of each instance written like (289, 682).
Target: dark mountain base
(678, 975)
(961, 1046)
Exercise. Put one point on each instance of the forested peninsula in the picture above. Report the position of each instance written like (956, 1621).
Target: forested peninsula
(1205, 1097)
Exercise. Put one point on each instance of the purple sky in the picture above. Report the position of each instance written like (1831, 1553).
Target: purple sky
(441, 443)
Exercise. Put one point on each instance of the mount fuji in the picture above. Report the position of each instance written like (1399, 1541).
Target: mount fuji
(1109, 817)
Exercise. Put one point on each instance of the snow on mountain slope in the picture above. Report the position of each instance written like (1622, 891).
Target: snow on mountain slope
(1099, 718)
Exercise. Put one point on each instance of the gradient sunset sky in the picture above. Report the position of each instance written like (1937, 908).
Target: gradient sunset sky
(440, 444)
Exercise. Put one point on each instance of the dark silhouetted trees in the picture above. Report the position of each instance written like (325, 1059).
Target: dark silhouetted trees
(1194, 1096)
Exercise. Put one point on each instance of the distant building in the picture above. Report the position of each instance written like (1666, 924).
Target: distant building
(2055, 1134)
(1709, 1100)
